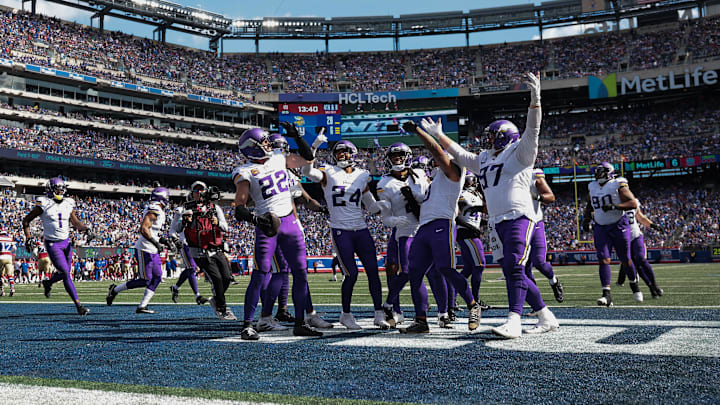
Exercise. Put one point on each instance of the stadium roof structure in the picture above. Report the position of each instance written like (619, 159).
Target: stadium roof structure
(170, 16)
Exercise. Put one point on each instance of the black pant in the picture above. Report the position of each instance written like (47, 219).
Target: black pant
(217, 270)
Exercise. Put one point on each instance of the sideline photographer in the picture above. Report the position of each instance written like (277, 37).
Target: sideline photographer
(204, 227)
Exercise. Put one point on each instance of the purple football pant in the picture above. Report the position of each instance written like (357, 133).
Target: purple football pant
(149, 270)
(615, 235)
(538, 254)
(392, 256)
(434, 243)
(60, 253)
(639, 258)
(189, 272)
(291, 241)
(347, 244)
(473, 255)
(515, 236)
(279, 285)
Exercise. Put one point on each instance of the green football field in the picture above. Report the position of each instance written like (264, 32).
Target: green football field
(690, 285)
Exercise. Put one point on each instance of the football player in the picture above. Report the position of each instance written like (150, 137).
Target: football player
(542, 194)
(264, 179)
(7, 256)
(147, 250)
(638, 252)
(504, 173)
(434, 241)
(609, 197)
(56, 213)
(345, 187)
(470, 222)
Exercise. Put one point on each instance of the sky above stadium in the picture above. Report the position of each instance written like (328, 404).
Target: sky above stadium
(318, 8)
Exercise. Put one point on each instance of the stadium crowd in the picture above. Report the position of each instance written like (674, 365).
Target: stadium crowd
(118, 56)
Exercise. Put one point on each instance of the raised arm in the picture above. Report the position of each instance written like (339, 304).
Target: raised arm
(463, 157)
(528, 145)
(450, 169)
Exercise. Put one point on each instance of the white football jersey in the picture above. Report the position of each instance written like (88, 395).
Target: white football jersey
(441, 198)
(388, 189)
(269, 184)
(56, 218)
(607, 193)
(635, 231)
(470, 201)
(343, 194)
(537, 174)
(155, 230)
(7, 247)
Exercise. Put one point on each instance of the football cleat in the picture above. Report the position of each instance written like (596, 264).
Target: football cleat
(174, 293)
(451, 314)
(268, 324)
(348, 320)
(532, 313)
(380, 320)
(226, 315)
(47, 285)
(305, 330)
(509, 330)
(474, 314)
(200, 300)
(483, 305)
(444, 322)
(546, 323)
(110, 295)
(81, 310)
(399, 318)
(656, 291)
(283, 315)
(418, 326)
(249, 333)
(12, 292)
(144, 310)
(605, 301)
(637, 295)
(558, 291)
(315, 321)
(389, 317)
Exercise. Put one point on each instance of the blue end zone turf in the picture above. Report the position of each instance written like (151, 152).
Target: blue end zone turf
(598, 356)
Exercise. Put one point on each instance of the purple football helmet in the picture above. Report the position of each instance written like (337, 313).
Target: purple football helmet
(55, 188)
(344, 146)
(255, 144)
(469, 180)
(501, 133)
(279, 142)
(161, 195)
(395, 150)
(604, 172)
(420, 162)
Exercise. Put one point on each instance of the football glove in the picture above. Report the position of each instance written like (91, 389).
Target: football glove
(431, 127)
(291, 130)
(30, 244)
(586, 225)
(533, 83)
(410, 126)
(609, 207)
(656, 227)
(264, 222)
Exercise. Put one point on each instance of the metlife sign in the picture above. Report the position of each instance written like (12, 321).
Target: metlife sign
(607, 87)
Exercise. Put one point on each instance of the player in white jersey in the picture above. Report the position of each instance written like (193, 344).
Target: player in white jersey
(470, 221)
(147, 250)
(505, 173)
(638, 251)
(542, 194)
(7, 257)
(265, 180)
(57, 213)
(609, 197)
(434, 242)
(346, 187)
(400, 193)
(178, 237)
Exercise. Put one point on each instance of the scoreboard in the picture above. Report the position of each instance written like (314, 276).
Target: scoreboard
(310, 118)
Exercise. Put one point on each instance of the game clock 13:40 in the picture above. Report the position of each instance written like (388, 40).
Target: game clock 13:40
(311, 118)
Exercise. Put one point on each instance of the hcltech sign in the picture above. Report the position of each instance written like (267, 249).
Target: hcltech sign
(607, 87)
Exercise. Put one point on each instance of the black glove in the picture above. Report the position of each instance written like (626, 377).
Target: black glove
(656, 227)
(264, 222)
(324, 209)
(609, 207)
(410, 126)
(290, 130)
(586, 225)
(157, 245)
(167, 243)
(30, 244)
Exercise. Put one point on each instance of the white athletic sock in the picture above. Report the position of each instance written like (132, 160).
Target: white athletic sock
(146, 298)
(553, 281)
(441, 314)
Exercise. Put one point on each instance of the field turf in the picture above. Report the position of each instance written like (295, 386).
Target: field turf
(660, 351)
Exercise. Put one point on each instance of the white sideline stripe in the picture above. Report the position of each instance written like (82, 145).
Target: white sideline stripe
(33, 394)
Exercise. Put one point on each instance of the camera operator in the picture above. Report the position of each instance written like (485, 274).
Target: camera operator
(204, 226)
